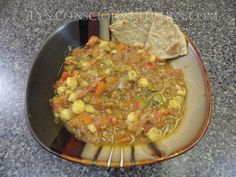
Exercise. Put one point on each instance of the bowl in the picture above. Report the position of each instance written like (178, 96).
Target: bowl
(57, 140)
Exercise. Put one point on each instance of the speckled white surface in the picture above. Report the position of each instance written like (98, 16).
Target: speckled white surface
(24, 25)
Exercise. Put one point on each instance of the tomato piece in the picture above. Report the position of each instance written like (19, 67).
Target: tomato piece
(64, 75)
(146, 128)
(159, 114)
(102, 123)
(150, 65)
(138, 105)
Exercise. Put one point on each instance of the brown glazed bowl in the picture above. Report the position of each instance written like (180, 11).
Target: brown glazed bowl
(56, 139)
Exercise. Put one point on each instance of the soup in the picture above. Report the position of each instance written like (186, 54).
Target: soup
(113, 93)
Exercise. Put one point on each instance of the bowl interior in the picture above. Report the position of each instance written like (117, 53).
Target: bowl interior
(56, 139)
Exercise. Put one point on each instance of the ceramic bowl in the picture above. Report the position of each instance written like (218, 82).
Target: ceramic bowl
(56, 139)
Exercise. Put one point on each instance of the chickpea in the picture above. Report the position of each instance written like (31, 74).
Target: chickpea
(132, 75)
(143, 82)
(78, 106)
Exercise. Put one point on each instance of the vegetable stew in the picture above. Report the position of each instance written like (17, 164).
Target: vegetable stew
(110, 92)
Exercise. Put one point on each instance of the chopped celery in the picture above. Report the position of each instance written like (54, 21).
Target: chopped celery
(93, 73)
(69, 58)
(108, 111)
(92, 127)
(154, 134)
(107, 62)
(73, 97)
(61, 90)
(89, 109)
(84, 83)
(104, 45)
(108, 71)
(180, 91)
(159, 98)
(132, 116)
(83, 65)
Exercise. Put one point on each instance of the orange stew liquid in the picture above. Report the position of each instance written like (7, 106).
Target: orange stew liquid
(110, 92)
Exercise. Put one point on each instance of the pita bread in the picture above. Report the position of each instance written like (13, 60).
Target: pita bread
(165, 39)
(131, 28)
(155, 32)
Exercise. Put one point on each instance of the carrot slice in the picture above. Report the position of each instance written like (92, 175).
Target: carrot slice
(101, 87)
(86, 118)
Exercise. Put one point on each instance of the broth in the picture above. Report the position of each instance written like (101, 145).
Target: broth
(110, 92)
